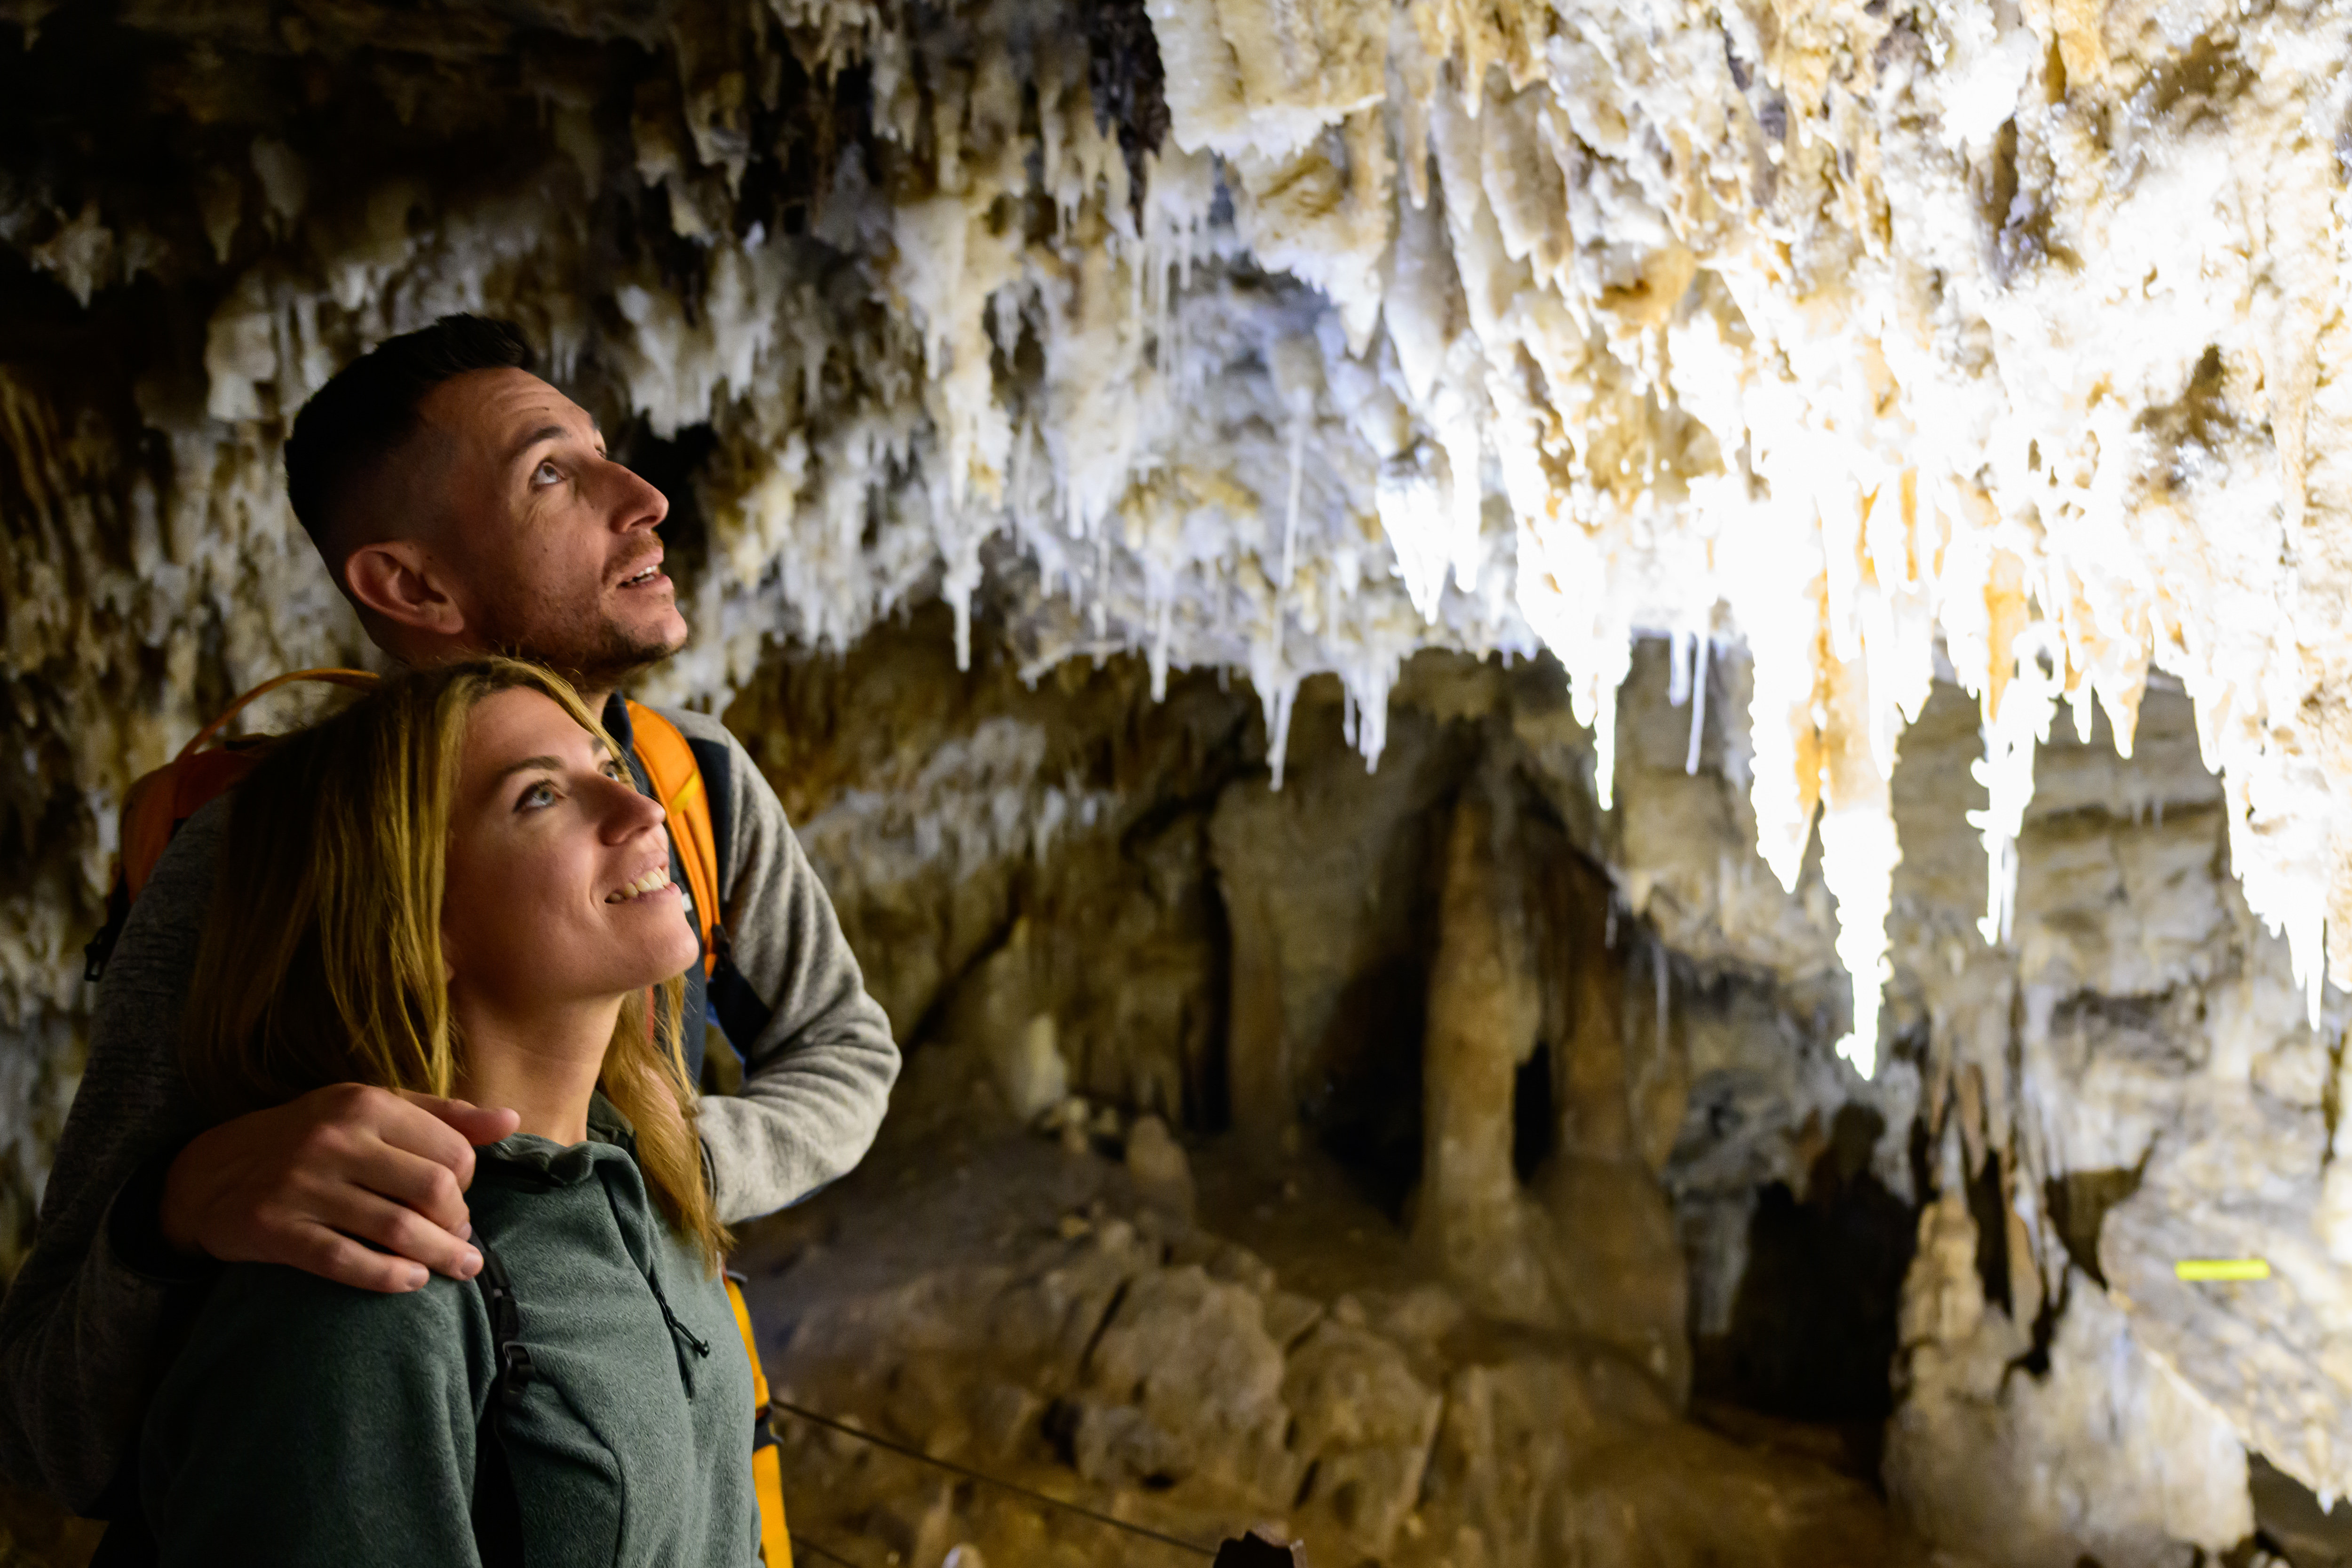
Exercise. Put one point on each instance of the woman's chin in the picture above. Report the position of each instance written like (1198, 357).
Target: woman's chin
(651, 975)
(633, 959)
(653, 931)
(668, 966)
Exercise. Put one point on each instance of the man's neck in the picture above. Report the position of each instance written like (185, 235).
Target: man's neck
(594, 701)
(543, 1066)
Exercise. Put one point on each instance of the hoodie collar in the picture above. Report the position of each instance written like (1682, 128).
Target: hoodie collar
(556, 1165)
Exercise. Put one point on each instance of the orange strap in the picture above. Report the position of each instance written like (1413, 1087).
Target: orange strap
(159, 802)
(357, 680)
(767, 1460)
(677, 779)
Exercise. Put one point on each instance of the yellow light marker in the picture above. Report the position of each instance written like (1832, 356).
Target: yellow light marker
(2222, 1268)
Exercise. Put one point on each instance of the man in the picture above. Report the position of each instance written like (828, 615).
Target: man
(462, 505)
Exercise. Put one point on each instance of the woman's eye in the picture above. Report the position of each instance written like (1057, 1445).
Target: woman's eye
(539, 794)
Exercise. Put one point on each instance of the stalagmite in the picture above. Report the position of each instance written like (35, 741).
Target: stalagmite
(1483, 1015)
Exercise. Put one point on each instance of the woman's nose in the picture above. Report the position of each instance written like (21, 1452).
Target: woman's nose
(629, 812)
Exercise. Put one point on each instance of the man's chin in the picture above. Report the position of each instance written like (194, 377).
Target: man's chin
(621, 653)
(651, 645)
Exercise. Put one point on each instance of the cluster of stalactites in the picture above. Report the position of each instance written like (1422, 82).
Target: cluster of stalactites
(1855, 331)
(1861, 331)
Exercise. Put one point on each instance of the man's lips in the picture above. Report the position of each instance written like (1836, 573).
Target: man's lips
(649, 575)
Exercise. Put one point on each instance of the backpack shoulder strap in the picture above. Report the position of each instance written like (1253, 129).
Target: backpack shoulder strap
(158, 802)
(498, 1510)
(677, 777)
(767, 1460)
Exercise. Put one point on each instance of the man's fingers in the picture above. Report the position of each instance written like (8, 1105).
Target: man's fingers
(405, 1236)
(296, 1183)
(415, 1182)
(338, 1258)
(414, 1123)
(475, 1124)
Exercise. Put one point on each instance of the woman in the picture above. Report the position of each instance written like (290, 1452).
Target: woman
(452, 887)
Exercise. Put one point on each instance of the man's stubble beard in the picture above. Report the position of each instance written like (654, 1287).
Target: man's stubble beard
(602, 661)
(618, 657)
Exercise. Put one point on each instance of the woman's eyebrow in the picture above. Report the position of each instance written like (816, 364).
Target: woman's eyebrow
(602, 754)
(553, 765)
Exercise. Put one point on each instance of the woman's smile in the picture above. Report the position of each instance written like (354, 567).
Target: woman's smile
(549, 841)
(654, 884)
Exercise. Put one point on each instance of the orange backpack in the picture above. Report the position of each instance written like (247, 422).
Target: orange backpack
(158, 802)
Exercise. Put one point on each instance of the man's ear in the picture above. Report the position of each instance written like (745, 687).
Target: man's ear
(399, 581)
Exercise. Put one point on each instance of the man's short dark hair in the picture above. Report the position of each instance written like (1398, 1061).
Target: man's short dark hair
(367, 412)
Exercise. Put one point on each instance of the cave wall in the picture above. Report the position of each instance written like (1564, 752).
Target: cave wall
(1927, 1260)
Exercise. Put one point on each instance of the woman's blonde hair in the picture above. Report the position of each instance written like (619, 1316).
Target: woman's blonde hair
(321, 961)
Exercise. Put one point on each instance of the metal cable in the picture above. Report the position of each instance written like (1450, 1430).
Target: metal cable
(802, 1544)
(972, 1475)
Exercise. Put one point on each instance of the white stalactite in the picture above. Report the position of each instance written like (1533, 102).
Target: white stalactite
(1886, 329)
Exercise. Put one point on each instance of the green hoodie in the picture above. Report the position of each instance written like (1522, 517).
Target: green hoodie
(305, 1422)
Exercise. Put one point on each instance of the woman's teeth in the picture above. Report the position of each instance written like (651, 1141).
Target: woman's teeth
(657, 878)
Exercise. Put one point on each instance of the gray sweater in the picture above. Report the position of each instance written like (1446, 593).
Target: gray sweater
(81, 1329)
(305, 1422)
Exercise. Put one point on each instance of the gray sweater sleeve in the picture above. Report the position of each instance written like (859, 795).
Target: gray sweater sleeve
(308, 1423)
(818, 1077)
(80, 1326)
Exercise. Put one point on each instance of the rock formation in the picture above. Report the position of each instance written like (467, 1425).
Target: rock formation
(1440, 619)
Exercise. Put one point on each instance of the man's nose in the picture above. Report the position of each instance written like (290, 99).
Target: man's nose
(634, 502)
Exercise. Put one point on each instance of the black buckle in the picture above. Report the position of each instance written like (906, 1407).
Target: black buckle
(101, 947)
(514, 1371)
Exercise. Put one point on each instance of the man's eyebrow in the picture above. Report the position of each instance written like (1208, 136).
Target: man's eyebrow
(548, 433)
(544, 433)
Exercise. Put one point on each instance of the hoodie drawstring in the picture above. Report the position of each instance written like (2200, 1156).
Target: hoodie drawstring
(701, 1347)
(682, 1339)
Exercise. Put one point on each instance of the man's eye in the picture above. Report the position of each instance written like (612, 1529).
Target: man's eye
(547, 473)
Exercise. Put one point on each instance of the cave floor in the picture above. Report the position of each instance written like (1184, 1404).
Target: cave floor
(1261, 1347)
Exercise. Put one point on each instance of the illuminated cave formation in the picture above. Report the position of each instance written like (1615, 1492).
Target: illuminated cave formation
(1667, 676)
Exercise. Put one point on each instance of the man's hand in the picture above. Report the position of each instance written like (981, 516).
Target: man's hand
(298, 1183)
